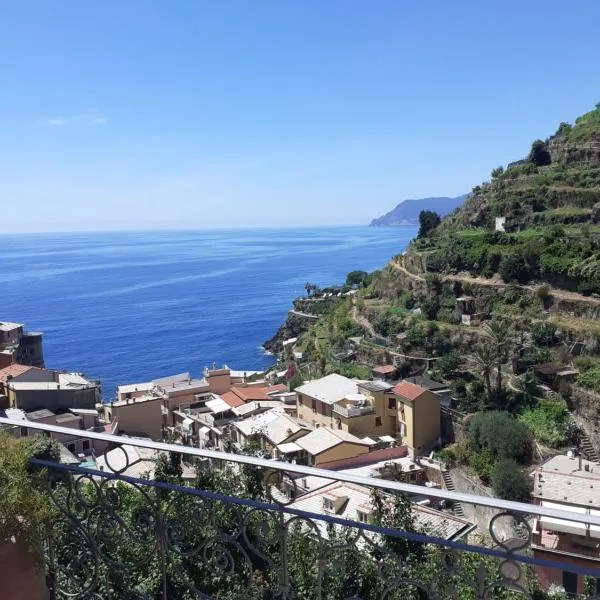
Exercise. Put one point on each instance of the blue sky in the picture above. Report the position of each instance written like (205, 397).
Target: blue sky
(136, 114)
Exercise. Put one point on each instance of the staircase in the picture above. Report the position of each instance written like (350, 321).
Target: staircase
(587, 448)
(457, 508)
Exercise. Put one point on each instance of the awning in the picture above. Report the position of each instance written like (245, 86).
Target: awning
(187, 423)
(387, 438)
(218, 406)
(289, 448)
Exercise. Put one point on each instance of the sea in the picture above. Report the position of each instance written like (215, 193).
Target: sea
(126, 307)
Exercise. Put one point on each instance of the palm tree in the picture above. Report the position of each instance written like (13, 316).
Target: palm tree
(499, 334)
(483, 359)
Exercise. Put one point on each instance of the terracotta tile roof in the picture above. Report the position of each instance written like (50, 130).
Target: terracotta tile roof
(408, 390)
(247, 394)
(232, 399)
(385, 369)
(280, 387)
(13, 371)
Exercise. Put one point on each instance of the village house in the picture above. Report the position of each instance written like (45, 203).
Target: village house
(31, 388)
(418, 411)
(322, 445)
(572, 484)
(269, 429)
(20, 346)
(353, 502)
(140, 415)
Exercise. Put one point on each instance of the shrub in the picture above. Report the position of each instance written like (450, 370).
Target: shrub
(539, 154)
(543, 334)
(501, 435)
(509, 481)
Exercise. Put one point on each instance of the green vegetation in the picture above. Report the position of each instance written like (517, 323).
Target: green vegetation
(25, 510)
(428, 221)
(358, 278)
(551, 424)
(510, 481)
(493, 436)
(589, 376)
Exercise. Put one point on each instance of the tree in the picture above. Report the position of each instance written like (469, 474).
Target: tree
(296, 381)
(500, 434)
(539, 154)
(499, 334)
(497, 172)
(483, 360)
(168, 468)
(428, 221)
(509, 481)
(358, 278)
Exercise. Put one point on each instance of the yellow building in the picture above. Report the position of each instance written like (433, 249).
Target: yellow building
(142, 415)
(360, 408)
(325, 445)
(418, 412)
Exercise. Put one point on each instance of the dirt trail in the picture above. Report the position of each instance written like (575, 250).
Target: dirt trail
(497, 283)
(360, 320)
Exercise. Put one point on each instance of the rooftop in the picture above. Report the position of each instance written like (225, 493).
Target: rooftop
(322, 439)
(131, 388)
(138, 400)
(563, 481)
(13, 371)
(329, 389)
(426, 383)
(275, 425)
(377, 385)
(356, 498)
(409, 390)
(385, 369)
(371, 458)
(8, 326)
(43, 413)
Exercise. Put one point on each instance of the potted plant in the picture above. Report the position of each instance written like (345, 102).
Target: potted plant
(25, 513)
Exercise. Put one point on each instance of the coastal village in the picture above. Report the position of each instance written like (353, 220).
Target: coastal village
(469, 366)
(384, 426)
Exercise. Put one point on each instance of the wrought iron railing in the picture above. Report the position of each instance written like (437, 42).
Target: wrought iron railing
(249, 528)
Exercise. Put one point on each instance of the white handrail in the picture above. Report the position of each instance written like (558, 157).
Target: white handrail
(370, 482)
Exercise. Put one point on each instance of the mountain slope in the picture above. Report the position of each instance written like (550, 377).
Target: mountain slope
(549, 208)
(407, 212)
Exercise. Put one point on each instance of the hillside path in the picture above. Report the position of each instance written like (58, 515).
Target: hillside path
(495, 283)
(360, 320)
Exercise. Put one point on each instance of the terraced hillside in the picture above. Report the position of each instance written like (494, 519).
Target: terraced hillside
(538, 220)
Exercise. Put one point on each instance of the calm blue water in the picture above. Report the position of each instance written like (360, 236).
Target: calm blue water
(128, 307)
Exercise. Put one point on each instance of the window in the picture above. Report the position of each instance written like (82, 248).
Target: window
(377, 421)
(71, 447)
(24, 431)
(323, 408)
(86, 445)
(362, 516)
(569, 582)
(391, 402)
(314, 405)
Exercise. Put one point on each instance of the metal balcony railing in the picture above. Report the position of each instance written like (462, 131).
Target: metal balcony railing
(353, 411)
(250, 528)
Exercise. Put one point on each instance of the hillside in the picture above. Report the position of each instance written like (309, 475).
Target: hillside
(520, 259)
(407, 211)
(537, 221)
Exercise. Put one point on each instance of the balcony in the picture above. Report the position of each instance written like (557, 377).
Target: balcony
(353, 411)
(255, 528)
